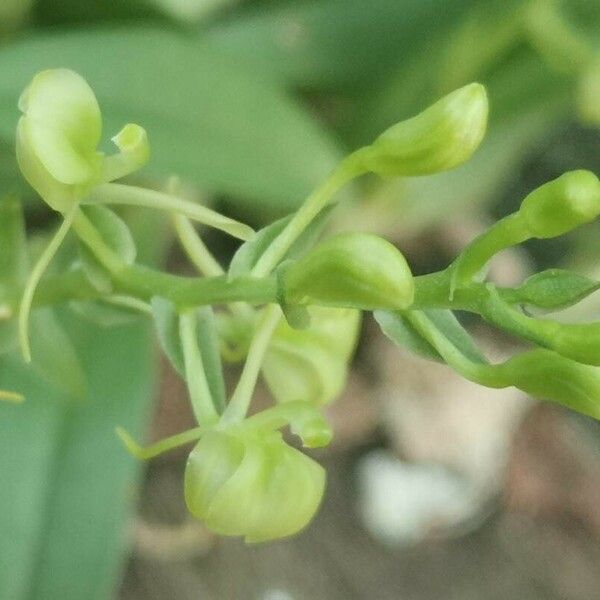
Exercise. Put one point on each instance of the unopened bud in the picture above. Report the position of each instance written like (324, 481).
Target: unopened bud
(352, 270)
(442, 137)
(562, 204)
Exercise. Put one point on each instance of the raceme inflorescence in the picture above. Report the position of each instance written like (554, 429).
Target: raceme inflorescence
(289, 304)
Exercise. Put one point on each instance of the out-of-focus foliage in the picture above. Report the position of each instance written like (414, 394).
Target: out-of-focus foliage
(252, 102)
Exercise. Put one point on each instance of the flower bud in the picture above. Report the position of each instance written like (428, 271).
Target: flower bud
(442, 137)
(353, 270)
(58, 136)
(559, 206)
(254, 486)
(312, 364)
(545, 374)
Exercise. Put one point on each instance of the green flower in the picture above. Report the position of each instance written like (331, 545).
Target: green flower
(252, 485)
(58, 136)
(312, 364)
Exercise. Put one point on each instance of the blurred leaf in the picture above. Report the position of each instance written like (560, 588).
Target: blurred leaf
(12, 12)
(192, 11)
(117, 237)
(209, 119)
(105, 313)
(54, 356)
(332, 43)
(50, 12)
(66, 481)
(13, 262)
(401, 332)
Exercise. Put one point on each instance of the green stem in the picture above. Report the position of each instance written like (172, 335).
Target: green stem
(146, 452)
(203, 259)
(89, 235)
(347, 170)
(34, 278)
(200, 395)
(507, 232)
(116, 193)
(240, 400)
(195, 248)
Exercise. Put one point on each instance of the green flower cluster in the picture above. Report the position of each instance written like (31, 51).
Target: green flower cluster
(289, 305)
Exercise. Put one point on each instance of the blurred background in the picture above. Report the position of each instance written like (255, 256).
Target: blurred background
(437, 488)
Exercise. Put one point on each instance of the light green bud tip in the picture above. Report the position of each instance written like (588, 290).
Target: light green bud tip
(58, 136)
(562, 204)
(352, 270)
(442, 137)
(254, 486)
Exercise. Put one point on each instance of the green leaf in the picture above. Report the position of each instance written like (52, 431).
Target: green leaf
(249, 252)
(209, 119)
(402, 333)
(166, 321)
(116, 235)
(554, 288)
(66, 490)
(54, 356)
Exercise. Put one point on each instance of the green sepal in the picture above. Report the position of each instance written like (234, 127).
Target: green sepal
(312, 364)
(116, 236)
(554, 289)
(166, 321)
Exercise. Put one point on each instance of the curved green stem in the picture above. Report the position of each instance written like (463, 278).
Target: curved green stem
(170, 443)
(240, 400)
(34, 278)
(195, 248)
(200, 395)
(116, 193)
(507, 232)
(203, 259)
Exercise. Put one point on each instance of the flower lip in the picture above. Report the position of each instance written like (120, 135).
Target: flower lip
(62, 123)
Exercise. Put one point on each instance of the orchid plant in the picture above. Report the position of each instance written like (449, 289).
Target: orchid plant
(289, 304)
